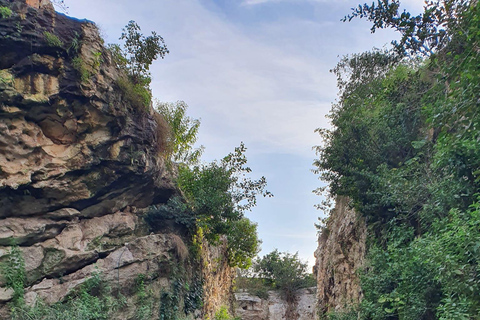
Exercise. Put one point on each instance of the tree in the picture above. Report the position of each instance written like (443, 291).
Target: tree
(218, 194)
(184, 132)
(284, 271)
(425, 33)
(141, 51)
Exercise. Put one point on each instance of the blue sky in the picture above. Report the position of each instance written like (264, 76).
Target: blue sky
(255, 71)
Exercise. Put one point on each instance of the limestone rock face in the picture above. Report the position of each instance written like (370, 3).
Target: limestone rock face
(80, 162)
(250, 307)
(340, 253)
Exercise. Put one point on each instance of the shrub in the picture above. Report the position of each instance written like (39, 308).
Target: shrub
(52, 40)
(223, 314)
(5, 12)
(135, 59)
(93, 300)
(404, 149)
(215, 198)
(79, 65)
(243, 243)
(137, 94)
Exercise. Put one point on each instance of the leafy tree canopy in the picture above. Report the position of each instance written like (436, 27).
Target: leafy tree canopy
(184, 131)
(284, 271)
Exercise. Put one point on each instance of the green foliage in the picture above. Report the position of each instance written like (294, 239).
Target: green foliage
(13, 271)
(432, 29)
(52, 40)
(183, 297)
(175, 209)
(141, 51)
(139, 95)
(374, 123)
(5, 12)
(118, 56)
(184, 131)
(404, 149)
(223, 314)
(91, 301)
(243, 243)
(345, 315)
(285, 272)
(134, 59)
(423, 277)
(79, 65)
(144, 301)
(74, 45)
(218, 194)
(193, 296)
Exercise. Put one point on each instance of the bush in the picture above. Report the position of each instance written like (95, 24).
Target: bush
(52, 40)
(141, 51)
(137, 94)
(93, 300)
(223, 314)
(79, 65)
(243, 243)
(5, 12)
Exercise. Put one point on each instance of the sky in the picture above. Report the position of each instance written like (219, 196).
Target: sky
(255, 71)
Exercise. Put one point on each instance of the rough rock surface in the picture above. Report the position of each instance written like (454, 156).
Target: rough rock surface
(250, 307)
(340, 253)
(79, 162)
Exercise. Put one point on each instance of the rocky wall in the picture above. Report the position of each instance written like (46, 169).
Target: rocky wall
(80, 162)
(251, 307)
(340, 254)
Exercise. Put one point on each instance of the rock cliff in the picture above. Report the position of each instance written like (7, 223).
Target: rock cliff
(250, 307)
(340, 253)
(80, 162)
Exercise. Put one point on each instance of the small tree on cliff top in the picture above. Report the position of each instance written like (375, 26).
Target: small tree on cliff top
(141, 51)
